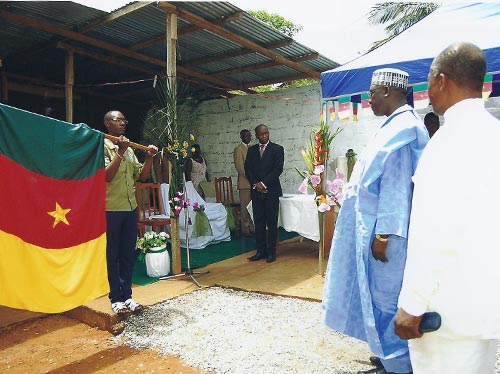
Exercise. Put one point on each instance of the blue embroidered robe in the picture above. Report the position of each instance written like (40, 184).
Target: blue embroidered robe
(360, 294)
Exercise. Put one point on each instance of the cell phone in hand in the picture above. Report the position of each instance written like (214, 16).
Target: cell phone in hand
(431, 321)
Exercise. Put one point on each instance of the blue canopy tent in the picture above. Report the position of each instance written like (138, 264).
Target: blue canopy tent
(414, 49)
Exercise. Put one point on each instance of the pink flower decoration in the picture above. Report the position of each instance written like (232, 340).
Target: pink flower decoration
(340, 197)
(303, 186)
(331, 200)
(196, 205)
(177, 210)
(339, 174)
(315, 180)
(323, 207)
(335, 186)
(318, 169)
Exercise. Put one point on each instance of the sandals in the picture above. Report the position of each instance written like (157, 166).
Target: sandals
(133, 306)
(119, 308)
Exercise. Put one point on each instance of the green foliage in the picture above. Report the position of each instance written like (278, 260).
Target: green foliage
(169, 126)
(278, 22)
(399, 16)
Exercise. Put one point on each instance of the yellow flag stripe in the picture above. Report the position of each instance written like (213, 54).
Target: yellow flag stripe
(51, 281)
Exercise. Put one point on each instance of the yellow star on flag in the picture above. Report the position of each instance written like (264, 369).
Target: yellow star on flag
(59, 215)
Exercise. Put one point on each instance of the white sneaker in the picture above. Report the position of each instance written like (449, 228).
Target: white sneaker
(134, 306)
(119, 308)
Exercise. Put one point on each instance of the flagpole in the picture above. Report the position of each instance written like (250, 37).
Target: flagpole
(115, 139)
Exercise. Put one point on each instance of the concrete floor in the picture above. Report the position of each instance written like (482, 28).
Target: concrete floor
(294, 273)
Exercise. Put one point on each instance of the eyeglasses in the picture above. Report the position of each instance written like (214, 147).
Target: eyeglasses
(120, 120)
(372, 92)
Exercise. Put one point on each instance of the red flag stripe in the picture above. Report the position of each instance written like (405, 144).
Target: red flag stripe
(27, 198)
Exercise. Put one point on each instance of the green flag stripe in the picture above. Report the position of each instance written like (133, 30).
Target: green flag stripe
(420, 87)
(48, 146)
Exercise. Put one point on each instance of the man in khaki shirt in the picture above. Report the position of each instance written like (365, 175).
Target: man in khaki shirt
(122, 170)
(240, 155)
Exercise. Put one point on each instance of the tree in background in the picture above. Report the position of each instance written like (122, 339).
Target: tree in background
(278, 22)
(399, 16)
(288, 28)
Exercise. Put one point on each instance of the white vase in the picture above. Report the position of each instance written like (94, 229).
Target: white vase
(157, 262)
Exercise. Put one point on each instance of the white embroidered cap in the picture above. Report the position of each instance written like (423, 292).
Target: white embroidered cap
(390, 77)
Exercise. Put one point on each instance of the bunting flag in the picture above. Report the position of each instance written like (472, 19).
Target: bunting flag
(322, 116)
(53, 221)
(366, 108)
(345, 108)
(332, 111)
(487, 86)
(355, 112)
(420, 96)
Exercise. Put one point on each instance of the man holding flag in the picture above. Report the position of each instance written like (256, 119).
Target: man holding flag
(122, 171)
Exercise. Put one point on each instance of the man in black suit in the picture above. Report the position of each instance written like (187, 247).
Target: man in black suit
(263, 167)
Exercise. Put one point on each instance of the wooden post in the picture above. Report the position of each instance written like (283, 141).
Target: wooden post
(70, 81)
(176, 245)
(171, 39)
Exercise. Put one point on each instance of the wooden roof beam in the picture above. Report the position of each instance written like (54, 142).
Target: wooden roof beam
(114, 15)
(183, 31)
(31, 22)
(268, 65)
(207, 25)
(235, 53)
(113, 60)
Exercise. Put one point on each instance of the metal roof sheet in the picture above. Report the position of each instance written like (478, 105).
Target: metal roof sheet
(201, 52)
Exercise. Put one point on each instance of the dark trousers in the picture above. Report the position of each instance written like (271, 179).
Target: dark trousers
(120, 253)
(265, 214)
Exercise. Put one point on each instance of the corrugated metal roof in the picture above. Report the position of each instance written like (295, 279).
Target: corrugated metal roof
(28, 38)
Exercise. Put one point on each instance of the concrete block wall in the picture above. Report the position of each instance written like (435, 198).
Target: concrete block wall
(289, 114)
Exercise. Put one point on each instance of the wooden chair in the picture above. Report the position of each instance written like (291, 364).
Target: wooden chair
(224, 194)
(149, 207)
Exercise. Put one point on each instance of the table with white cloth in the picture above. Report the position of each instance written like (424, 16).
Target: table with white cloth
(299, 213)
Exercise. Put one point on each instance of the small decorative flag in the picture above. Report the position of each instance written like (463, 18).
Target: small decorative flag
(420, 96)
(345, 108)
(366, 108)
(355, 112)
(487, 86)
(332, 111)
(322, 116)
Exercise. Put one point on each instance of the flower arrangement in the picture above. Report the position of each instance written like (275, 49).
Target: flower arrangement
(177, 203)
(151, 240)
(327, 193)
(198, 207)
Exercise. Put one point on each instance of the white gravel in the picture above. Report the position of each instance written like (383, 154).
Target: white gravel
(227, 331)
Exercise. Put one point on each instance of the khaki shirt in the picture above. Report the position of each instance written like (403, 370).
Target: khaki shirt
(120, 192)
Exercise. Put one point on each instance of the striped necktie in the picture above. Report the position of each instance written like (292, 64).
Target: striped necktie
(262, 148)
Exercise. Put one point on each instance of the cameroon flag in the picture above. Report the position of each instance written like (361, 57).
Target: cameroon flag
(53, 213)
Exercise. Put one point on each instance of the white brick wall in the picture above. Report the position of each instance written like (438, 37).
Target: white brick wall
(289, 114)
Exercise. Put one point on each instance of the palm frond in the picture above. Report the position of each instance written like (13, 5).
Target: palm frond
(399, 15)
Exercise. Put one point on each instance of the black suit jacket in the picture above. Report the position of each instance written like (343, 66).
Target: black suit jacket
(266, 169)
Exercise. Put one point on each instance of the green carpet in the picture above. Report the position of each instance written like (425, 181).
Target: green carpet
(208, 255)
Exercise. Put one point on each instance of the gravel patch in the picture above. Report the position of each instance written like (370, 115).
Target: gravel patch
(228, 331)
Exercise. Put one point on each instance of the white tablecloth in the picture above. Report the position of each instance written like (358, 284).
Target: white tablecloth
(216, 213)
(298, 213)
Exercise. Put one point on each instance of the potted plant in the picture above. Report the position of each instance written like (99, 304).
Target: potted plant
(153, 247)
